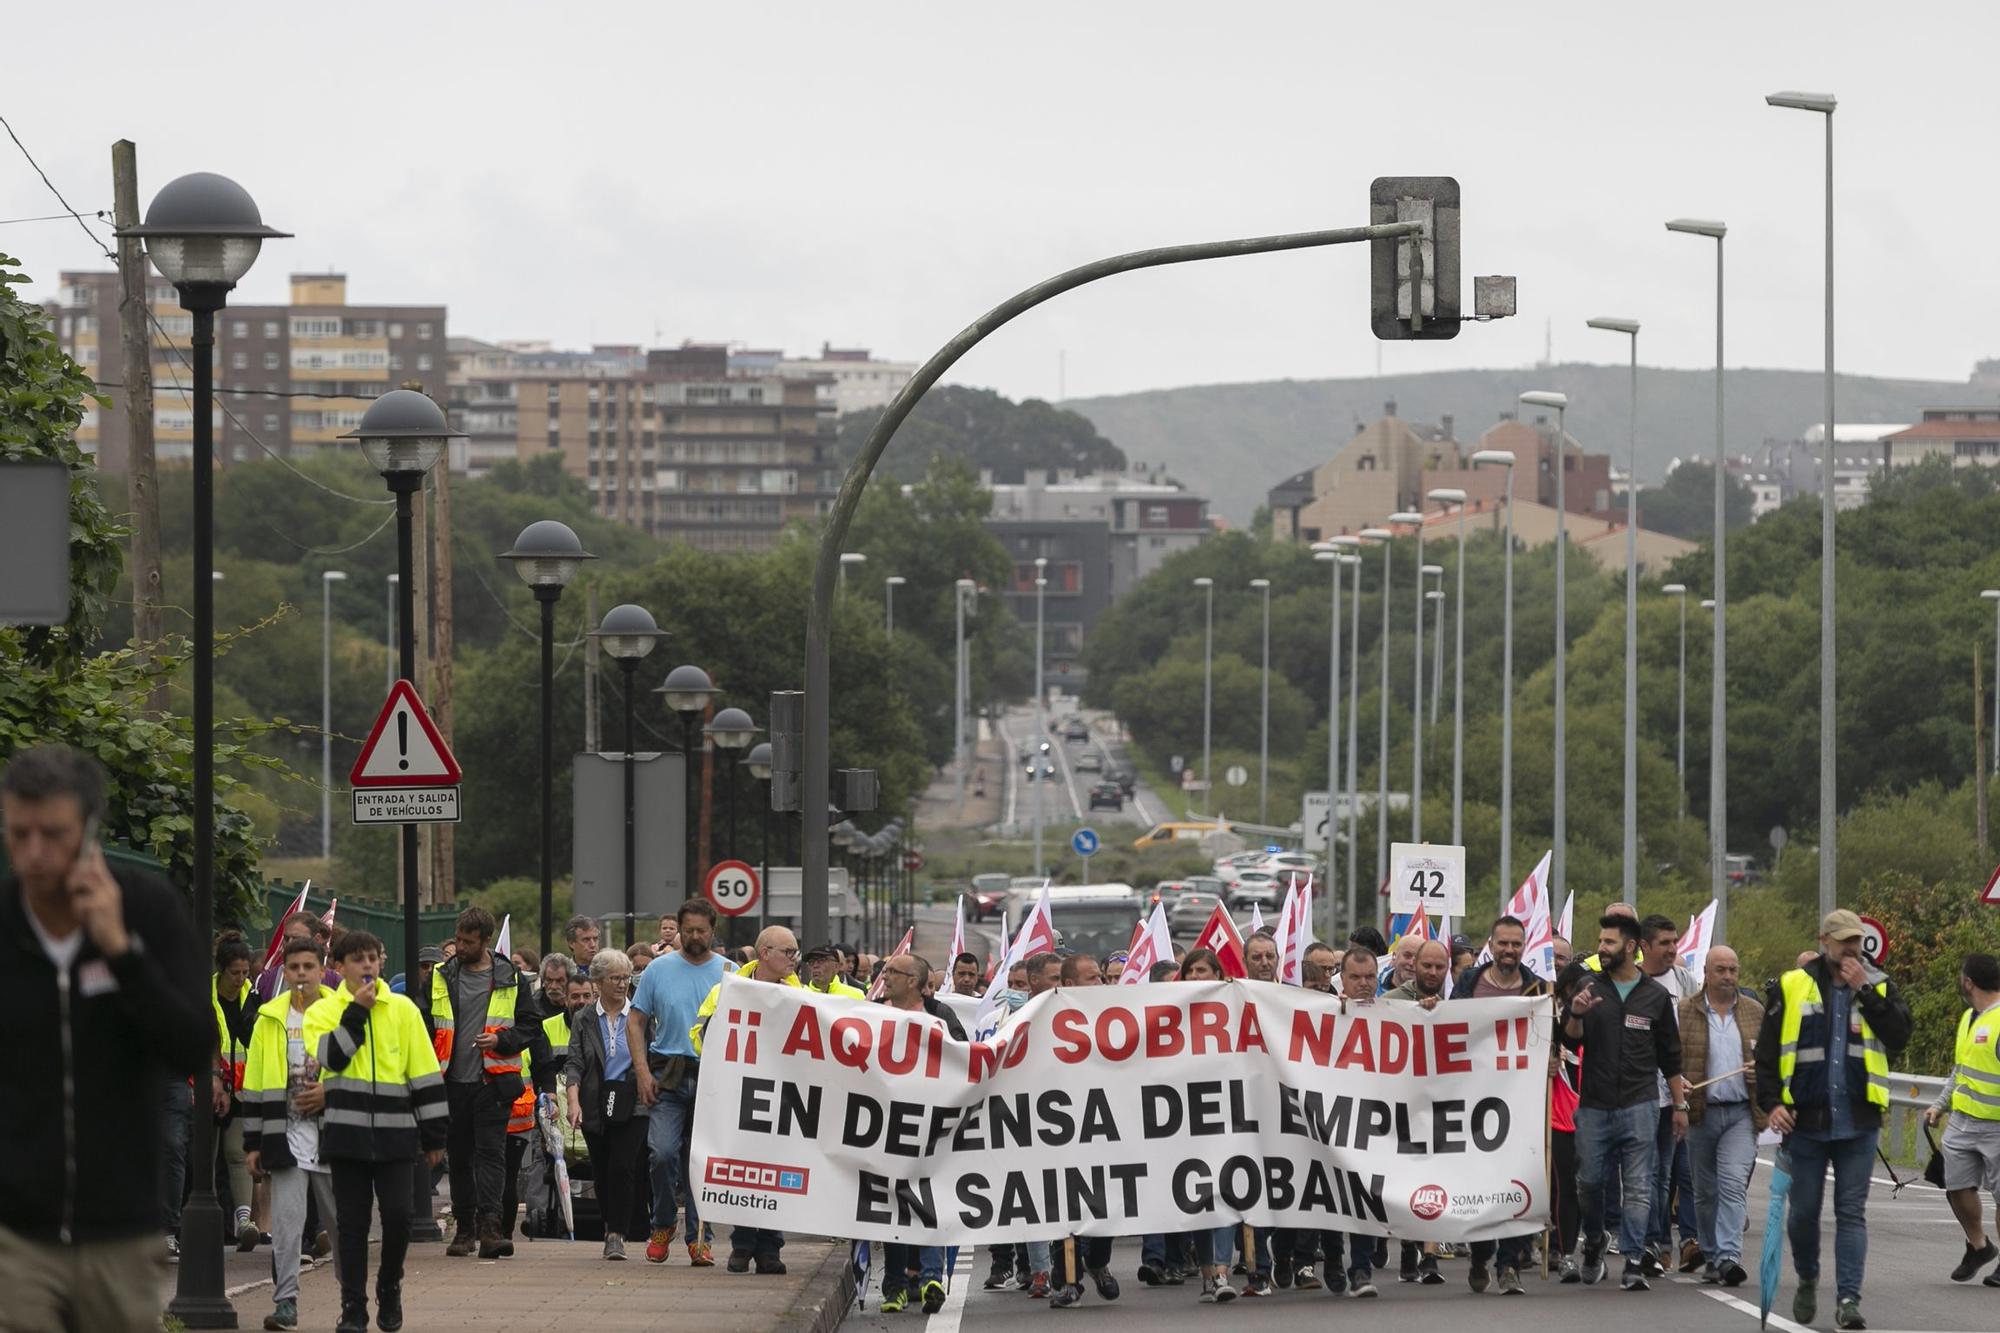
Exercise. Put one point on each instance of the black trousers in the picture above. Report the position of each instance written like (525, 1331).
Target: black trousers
(477, 1147)
(510, 1187)
(1092, 1253)
(1562, 1173)
(614, 1156)
(357, 1188)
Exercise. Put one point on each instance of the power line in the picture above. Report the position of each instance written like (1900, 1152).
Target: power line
(330, 550)
(71, 211)
(101, 215)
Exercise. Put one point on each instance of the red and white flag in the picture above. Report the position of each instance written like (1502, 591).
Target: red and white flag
(1153, 945)
(1038, 931)
(1294, 932)
(1531, 904)
(1220, 935)
(1695, 943)
(327, 916)
(957, 947)
(902, 947)
(272, 956)
(504, 946)
(986, 1018)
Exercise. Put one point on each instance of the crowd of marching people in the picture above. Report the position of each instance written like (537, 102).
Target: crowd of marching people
(334, 1087)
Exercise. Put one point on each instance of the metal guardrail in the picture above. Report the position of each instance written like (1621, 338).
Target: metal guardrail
(1909, 1096)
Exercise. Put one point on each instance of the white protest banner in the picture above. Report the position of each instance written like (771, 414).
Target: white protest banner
(1107, 1112)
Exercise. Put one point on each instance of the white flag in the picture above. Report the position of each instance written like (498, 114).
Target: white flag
(986, 1019)
(1155, 946)
(1294, 932)
(505, 945)
(957, 948)
(1568, 922)
(1256, 917)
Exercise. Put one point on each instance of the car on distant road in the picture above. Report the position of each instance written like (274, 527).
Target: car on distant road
(1106, 796)
(1127, 781)
(1255, 886)
(1741, 869)
(1076, 729)
(1282, 862)
(1090, 761)
(988, 894)
(1227, 866)
(1191, 912)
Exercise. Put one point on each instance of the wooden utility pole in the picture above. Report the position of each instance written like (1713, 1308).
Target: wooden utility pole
(135, 336)
(443, 873)
(1979, 746)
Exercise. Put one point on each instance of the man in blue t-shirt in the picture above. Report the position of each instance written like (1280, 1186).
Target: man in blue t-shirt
(663, 1010)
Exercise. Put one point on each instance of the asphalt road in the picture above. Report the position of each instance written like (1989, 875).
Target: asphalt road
(1913, 1243)
(1066, 796)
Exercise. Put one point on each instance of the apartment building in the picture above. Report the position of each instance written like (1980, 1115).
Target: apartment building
(292, 377)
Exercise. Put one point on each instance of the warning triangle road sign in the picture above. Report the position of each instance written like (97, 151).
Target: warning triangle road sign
(1992, 894)
(404, 749)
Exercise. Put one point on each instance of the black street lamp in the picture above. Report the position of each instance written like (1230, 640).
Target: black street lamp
(687, 690)
(628, 633)
(731, 730)
(546, 556)
(202, 233)
(758, 761)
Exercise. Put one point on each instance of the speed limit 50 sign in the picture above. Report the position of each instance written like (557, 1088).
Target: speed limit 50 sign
(1427, 875)
(732, 886)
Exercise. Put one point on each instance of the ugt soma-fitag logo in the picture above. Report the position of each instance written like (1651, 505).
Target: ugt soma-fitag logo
(1430, 1202)
(766, 1176)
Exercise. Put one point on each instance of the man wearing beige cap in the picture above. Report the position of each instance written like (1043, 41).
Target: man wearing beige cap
(1823, 1076)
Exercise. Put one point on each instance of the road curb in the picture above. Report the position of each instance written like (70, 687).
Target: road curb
(828, 1294)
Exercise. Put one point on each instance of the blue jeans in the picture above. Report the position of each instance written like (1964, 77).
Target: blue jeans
(1722, 1148)
(1670, 1168)
(898, 1260)
(667, 1140)
(1157, 1249)
(1852, 1159)
(1213, 1246)
(177, 1105)
(1616, 1143)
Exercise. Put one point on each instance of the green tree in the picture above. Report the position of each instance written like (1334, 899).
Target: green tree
(1684, 504)
(984, 431)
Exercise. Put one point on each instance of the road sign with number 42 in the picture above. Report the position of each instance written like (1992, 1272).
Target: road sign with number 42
(1427, 875)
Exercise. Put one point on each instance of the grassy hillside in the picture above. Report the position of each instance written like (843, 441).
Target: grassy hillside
(1233, 442)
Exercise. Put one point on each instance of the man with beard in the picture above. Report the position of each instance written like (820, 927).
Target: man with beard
(669, 994)
(1501, 977)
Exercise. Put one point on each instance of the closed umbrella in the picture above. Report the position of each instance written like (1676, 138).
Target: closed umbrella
(1773, 1260)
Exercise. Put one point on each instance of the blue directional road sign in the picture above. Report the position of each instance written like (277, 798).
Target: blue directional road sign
(1084, 842)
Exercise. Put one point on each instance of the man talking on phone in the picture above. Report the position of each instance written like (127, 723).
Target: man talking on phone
(102, 977)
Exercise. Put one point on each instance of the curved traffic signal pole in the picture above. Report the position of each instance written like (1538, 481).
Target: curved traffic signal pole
(814, 758)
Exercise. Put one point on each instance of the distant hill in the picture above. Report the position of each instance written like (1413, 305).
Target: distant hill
(1233, 442)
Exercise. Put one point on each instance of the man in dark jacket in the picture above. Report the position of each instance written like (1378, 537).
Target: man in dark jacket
(1624, 1022)
(1823, 1075)
(1501, 977)
(104, 984)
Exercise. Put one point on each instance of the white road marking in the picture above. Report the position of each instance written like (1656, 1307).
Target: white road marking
(946, 1320)
(1737, 1303)
(1770, 1165)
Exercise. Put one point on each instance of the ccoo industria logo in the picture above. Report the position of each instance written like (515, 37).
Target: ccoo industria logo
(766, 1176)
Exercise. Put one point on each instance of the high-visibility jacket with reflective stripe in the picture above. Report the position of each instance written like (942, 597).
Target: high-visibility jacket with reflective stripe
(385, 1093)
(521, 1116)
(1976, 1091)
(233, 1052)
(1803, 1039)
(504, 1059)
(265, 1099)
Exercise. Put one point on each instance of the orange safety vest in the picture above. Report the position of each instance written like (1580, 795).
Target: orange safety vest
(499, 1018)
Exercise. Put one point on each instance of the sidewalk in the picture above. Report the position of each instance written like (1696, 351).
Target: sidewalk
(567, 1284)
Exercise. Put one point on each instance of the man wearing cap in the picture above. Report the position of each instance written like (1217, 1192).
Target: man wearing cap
(1823, 1075)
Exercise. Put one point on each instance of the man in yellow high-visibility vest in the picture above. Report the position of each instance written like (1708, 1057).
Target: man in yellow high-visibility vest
(1823, 1076)
(1971, 1098)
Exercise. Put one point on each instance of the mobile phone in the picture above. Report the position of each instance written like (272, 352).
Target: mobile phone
(90, 831)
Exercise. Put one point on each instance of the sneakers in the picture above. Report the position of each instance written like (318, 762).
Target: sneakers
(933, 1296)
(1427, 1272)
(1216, 1290)
(1477, 1278)
(772, 1267)
(657, 1245)
(1651, 1264)
(1150, 1276)
(1510, 1282)
(1107, 1285)
(738, 1263)
(1180, 1273)
(1038, 1286)
(895, 1303)
(1407, 1270)
(1710, 1275)
(701, 1254)
(1805, 1303)
(1635, 1276)
(1066, 1297)
(1282, 1270)
(1258, 1285)
(247, 1234)
(999, 1279)
(1732, 1275)
(1306, 1279)
(353, 1319)
(1593, 1263)
(1848, 1314)
(614, 1246)
(1209, 1287)
(173, 1249)
(1974, 1260)
(322, 1245)
(1567, 1272)
(284, 1315)
(1691, 1255)
(1360, 1285)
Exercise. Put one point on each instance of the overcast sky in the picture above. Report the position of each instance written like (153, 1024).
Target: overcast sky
(876, 174)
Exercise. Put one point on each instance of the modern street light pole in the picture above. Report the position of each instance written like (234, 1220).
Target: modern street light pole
(1388, 541)
(758, 761)
(1207, 691)
(1993, 595)
(1041, 704)
(326, 581)
(687, 689)
(1506, 459)
(1353, 565)
(1454, 496)
(1329, 554)
(889, 586)
(1718, 705)
(1264, 727)
(546, 556)
(203, 232)
(629, 633)
(961, 688)
(730, 731)
(1679, 591)
(1435, 596)
(1415, 519)
(848, 558)
(1630, 328)
(1560, 861)
(1829, 819)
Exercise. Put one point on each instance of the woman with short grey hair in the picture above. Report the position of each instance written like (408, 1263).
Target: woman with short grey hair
(603, 1094)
